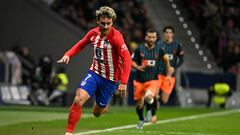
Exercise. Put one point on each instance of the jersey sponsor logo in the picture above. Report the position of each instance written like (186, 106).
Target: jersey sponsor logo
(98, 53)
(151, 63)
(170, 56)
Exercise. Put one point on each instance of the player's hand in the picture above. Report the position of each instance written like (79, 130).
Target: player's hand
(141, 68)
(64, 59)
(122, 89)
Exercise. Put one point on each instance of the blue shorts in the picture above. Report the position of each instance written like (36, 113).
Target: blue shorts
(102, 88)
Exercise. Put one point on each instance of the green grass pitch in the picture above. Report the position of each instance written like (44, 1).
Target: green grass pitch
(27, 120)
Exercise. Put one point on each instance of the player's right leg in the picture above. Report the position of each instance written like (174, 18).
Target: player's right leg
(138, 98)
(103, 95)
(86, 90)
(139, 110)
(76, 110)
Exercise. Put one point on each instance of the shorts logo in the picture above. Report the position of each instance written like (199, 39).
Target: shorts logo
(102, 104)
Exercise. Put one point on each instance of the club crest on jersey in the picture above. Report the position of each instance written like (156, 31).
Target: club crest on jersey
(106, 44)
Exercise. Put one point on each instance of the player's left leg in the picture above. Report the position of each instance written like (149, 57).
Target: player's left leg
(165, 97)
(167, 88)
(98, 111)
(151, 91)
(103, 95)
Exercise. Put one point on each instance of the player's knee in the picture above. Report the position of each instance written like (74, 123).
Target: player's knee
(149, 97)
(78, 101)
(139, 103)
(164, 100)
(139, 106)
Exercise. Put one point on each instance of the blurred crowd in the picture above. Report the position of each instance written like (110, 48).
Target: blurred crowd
(219, 25)
(18, 67)
(82, 13)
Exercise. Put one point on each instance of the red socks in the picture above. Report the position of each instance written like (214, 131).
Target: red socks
(74, 117)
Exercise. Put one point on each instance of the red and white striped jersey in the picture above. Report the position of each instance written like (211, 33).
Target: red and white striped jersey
(111, 58)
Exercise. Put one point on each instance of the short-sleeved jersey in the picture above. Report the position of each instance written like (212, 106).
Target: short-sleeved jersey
(111, 58)
(173, 50)
(149, 57)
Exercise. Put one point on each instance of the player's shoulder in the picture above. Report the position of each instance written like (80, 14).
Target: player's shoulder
(116, 33)
(178, 43)
(160, 42)
(141, 46)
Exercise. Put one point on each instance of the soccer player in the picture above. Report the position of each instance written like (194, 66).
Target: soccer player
(111, 64)
(173, 50)
(145, 61)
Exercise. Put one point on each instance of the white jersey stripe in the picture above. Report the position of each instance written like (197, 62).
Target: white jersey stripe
(103, 72)
(94, 63)
(110, 63)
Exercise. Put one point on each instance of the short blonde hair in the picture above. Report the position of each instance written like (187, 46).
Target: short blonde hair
(105, 11)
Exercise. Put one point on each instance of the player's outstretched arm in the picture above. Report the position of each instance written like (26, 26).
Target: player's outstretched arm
(64, 59)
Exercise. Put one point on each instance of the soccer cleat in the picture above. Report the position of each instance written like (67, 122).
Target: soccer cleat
(140, 125)
(148, 116)
(67, 133)
(154, 119)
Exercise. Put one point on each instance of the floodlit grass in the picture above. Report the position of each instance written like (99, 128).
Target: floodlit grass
(27, 120)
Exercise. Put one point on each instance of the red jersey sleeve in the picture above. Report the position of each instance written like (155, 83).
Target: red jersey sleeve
(126, 58)
(79, 45)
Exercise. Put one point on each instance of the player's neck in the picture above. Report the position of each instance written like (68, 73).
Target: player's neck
(148, 46)
(168, 41)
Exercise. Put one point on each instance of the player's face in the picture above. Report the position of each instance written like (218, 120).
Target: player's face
(105, 25)
(168, 35)
(151, 38)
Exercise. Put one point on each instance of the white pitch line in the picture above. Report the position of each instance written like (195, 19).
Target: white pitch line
(163, 133)
(164, 121)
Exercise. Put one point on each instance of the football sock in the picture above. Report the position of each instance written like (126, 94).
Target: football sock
(74, 117)
(151, 105)
(154, 107)
(153, 111)
(140, 113)
(148, 106)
